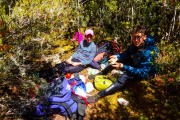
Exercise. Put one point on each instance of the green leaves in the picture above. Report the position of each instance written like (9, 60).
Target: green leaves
(112, 5)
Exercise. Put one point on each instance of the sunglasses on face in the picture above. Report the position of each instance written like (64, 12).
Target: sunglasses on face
(137, 37)
(89, 36)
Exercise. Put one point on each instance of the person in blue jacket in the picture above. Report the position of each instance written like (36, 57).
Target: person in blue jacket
(84, 55)
(137, 62)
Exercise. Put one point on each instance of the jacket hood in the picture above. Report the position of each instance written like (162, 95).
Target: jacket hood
(149, 41)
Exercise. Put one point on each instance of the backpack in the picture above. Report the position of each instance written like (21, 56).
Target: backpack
(59, 100)
(54, 72)
(109, 47)
(78, 88)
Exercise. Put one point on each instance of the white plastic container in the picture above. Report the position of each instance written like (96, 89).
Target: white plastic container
(123, 102)
(89, 87)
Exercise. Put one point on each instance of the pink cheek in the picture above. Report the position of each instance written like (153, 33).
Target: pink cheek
(136, 40)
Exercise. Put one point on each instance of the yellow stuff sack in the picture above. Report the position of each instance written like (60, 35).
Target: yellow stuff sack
(101, 82)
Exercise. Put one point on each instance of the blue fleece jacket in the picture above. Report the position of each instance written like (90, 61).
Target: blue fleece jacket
(143, 59)
(84, 53)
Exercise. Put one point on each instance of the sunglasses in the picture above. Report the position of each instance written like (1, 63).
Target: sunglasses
(137, 37)
(88, 36)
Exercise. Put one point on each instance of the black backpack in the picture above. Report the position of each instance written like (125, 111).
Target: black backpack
(54, 72)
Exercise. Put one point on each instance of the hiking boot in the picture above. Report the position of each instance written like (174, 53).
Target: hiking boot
(94, 98)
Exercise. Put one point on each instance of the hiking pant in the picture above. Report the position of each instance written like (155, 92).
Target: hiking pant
(122, 81)
(119, 84)
(75, 69)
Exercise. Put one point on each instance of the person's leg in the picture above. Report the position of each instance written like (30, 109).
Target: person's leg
(74, 69)
(111, 89)
(95, 65)
(60, 68)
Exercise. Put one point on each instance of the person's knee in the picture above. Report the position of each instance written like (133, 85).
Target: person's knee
(113, 88)
(122, 79)
(73, 69)
(66, 70)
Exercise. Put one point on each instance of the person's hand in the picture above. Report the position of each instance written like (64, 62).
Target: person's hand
(114, 72)
(76, 63)
(113, 59)
(69, 61)
(117, 65)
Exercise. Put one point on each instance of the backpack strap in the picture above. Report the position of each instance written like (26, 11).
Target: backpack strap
(66, 107)
(81, 106)
(54, 87)
(103, 46)
(45, 112)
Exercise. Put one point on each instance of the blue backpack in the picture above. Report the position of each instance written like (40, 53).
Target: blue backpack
(78, 88)
(59, 100)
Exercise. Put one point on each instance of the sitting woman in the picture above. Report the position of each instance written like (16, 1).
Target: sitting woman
(81, 59)
(84, 55)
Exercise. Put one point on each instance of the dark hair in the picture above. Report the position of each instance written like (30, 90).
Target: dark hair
(139, 29)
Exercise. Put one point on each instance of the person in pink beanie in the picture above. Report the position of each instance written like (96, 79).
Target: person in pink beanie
(84, 55)
(78, 36)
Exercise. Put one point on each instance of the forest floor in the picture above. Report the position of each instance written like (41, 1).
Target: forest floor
(90, 106)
